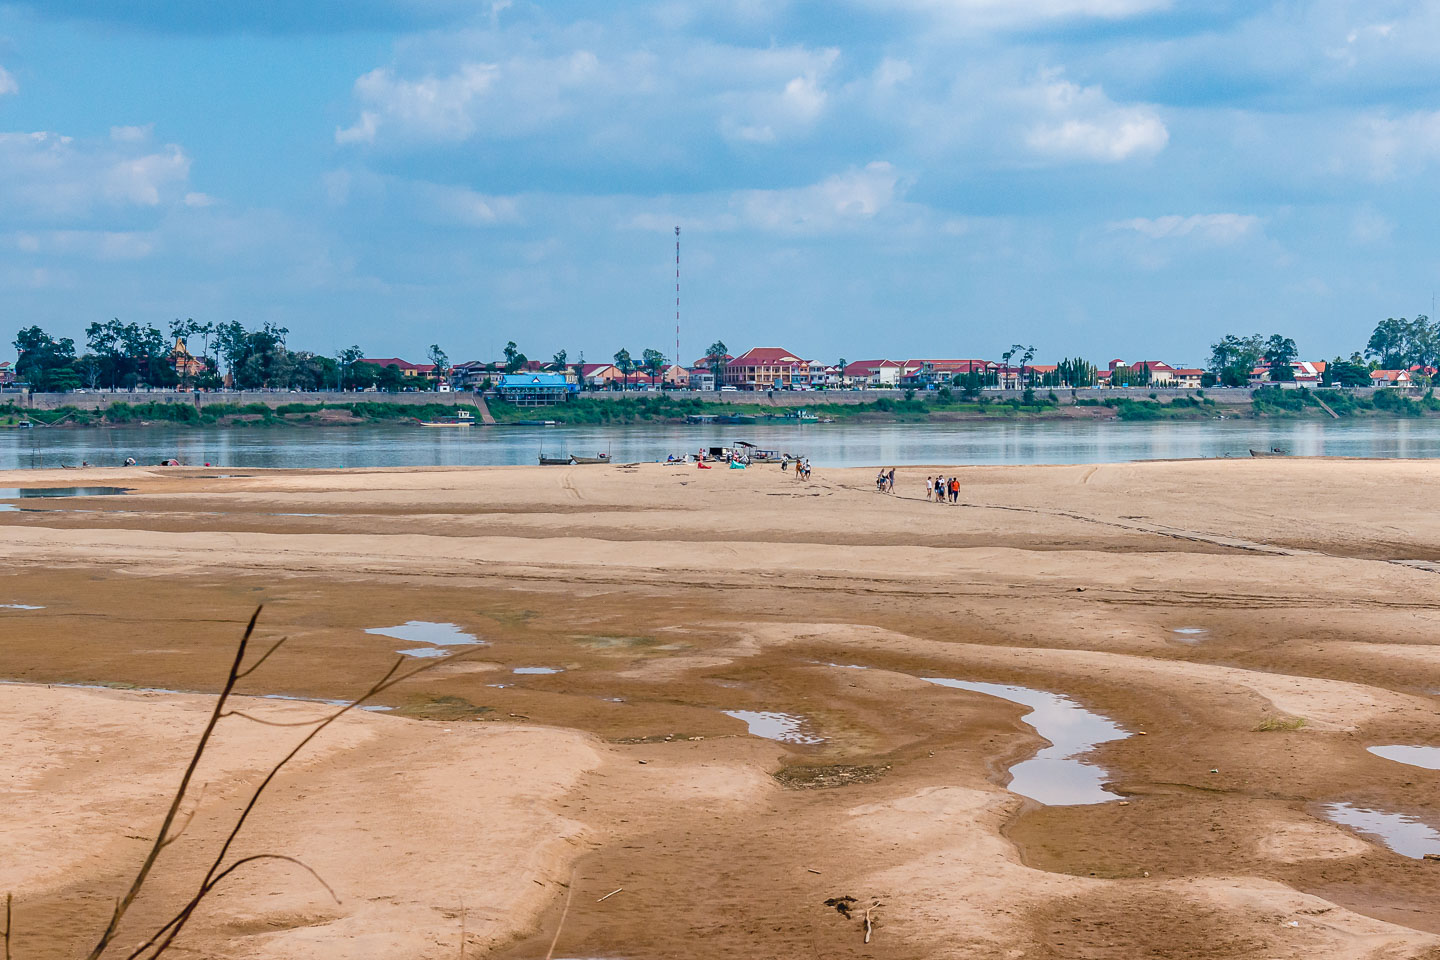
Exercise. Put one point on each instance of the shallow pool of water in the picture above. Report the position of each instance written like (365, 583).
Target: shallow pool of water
(438, 635)
(784, 727)
(426, 631)
(24, 493)
(1427, 757)
(19, 606)
(1406, 835)
(1054, 776)
(1189, 634)
(536, 670)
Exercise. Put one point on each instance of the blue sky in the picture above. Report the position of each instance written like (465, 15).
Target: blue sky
(1108, 178)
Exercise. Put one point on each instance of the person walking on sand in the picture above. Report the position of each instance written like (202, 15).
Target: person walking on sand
(954, 490)
(890, 481)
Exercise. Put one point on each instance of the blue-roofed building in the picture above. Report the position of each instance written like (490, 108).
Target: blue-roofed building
(536, 389)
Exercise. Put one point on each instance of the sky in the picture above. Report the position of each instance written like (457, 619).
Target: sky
(853, 178)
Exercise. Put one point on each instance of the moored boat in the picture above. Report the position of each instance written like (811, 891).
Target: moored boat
(601, 458)
(462, 418)
(555, 461)
(1276, 452)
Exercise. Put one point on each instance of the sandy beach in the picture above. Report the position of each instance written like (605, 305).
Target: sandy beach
(598, 772)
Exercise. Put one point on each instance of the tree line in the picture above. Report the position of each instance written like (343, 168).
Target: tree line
(120, 355)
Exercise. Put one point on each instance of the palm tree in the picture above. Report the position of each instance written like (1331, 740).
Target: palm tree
(625, 364)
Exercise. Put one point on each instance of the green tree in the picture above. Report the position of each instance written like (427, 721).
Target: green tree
(1348, 373)
(1398, 344)
(514, 359)
(653, 361)
(44, 362)
(1232, 358)
(1280, 353)
(439, 359)
(625, 364)
(390, 379)
(715, 359)
(345, 360)
(559, 360)
(1075, 372)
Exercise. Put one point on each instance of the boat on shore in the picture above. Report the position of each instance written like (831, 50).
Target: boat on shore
(1276, 452)
(555, 461)
(599, 458)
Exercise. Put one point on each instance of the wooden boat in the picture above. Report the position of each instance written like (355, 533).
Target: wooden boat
(462, 418)
(555, 461)
(602, 458)
(1277, 452)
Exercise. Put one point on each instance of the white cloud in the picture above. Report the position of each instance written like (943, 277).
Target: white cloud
(989, 14)
(765, 115)
(49, 175)
(451, 204)
(1217, 228)
(7, 82)
(640, 99)
(363, 130)
(197, 199)
(132, 134)
(836, 202)
(432, 107)
(1391, 145)
(1371, 226)
(1082, 123)
(88, 244)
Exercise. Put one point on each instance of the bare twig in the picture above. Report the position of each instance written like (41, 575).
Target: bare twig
(161, 940)
(610, 894)
(124, 903)
(194, 808)
(8, 897)
(868, 925)
(263, 657)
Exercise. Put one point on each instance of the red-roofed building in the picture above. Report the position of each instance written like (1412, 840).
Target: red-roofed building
(767, 368)
(923, 373)
(1390, 378)
(425, 370)
(874, 373)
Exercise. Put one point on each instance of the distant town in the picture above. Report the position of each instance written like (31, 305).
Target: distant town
(210, 357)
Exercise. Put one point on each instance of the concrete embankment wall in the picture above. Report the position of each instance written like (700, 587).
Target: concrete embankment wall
(101, 400)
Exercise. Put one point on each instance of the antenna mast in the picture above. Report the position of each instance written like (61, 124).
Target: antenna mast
(678, 361)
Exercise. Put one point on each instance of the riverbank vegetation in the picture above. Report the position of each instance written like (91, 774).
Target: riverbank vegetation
(905, 407)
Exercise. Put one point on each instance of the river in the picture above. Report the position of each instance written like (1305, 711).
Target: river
(827, 445)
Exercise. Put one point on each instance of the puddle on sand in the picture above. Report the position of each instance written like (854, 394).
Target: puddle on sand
(1427, 757)
(1404, 834)
(537, 670)
(784, 727)
(19, 606)
(1054, 776)
(426, 631)
(22, 493)
(1190, 634)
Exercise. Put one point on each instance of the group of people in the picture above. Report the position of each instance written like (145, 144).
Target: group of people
(942, 489)
(802, 468)
(885, 481)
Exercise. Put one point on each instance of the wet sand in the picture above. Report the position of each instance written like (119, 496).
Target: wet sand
(657, 616)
